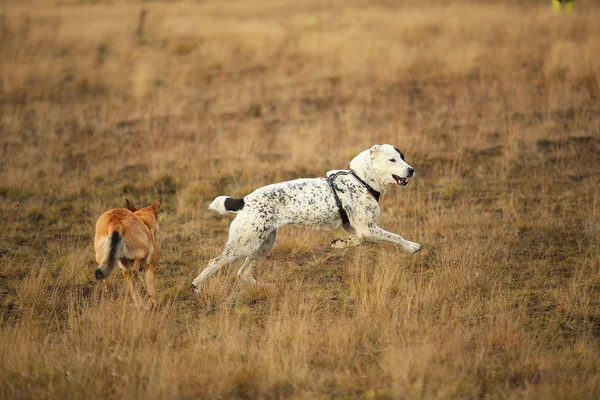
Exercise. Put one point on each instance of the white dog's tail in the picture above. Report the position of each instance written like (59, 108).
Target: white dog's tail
(223, 204)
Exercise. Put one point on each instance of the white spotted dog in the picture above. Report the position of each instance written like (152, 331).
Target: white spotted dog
(344, 198)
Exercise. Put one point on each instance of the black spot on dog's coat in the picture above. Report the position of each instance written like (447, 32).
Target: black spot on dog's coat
(399, 152)
(232, 204)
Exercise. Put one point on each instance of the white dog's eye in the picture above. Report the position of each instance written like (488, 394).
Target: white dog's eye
(392, 159)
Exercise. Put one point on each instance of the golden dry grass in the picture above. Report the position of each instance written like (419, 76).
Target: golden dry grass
(496, 104)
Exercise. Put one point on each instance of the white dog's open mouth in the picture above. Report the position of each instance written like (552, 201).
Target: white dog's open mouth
(400, 181)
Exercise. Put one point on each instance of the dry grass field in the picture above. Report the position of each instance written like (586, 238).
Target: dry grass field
(495, 103)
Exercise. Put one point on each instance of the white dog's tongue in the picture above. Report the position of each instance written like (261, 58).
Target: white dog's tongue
(402, 181)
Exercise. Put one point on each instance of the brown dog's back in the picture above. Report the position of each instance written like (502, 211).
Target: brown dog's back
(120, 234)
(128, 234)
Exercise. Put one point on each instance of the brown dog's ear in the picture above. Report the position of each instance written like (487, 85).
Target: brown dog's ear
(156, 205)
(129, 205)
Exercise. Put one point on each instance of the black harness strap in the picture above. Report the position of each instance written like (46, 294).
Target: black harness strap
(370, 189)
(338, 202)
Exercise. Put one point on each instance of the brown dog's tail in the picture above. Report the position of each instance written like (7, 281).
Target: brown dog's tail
(110, 259)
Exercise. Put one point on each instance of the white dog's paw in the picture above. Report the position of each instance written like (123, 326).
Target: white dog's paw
(344, 243)
(196, 287)
(412, 247)
(338, 243)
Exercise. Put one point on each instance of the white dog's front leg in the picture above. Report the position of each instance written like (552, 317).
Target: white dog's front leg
(376, 234)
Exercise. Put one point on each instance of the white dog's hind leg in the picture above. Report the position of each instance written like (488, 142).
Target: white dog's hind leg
(376, 234)
(213, 266)
(266, 246)
(244, 241)
(245, 271)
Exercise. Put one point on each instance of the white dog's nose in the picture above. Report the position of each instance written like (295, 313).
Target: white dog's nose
(411, 172)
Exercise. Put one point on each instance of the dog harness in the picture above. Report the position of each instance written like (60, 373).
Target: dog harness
(334, 188)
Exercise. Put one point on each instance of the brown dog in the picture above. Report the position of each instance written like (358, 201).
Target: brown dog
(126, 235)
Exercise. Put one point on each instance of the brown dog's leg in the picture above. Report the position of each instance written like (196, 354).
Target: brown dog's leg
(149, 278)
(130, 281)
(138, 274)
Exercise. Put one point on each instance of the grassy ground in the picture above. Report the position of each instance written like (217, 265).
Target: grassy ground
(496, 104)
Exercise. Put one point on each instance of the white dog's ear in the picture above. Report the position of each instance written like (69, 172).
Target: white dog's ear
(375, 150)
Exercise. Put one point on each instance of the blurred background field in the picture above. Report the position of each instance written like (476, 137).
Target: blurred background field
(495, 103)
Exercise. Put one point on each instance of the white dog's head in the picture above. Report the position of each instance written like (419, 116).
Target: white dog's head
(384, 165)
